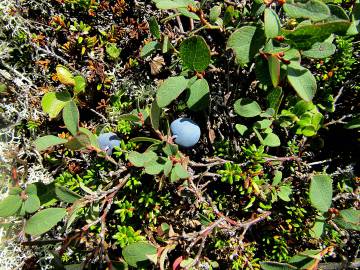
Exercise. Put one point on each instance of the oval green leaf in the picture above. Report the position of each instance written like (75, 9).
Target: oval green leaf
(302, 81)
(170, 89)
(246, 42)
(10, 205)
(271, 23)
(32, 203)
(320, 50)
(66, 195)
(44, 220)
(247, 108)
(138, 252)
(52, 103)
(195, 53)
(199, 95)
(71, 117)
(314, 10)
(47, 141)
(321, 192)
(274, 69)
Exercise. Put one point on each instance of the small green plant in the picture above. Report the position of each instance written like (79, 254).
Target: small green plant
(126, 235)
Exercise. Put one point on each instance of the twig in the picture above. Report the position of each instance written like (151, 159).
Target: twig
(180, 25)
(198, 255)
(282, 159)
(170, 17)
(338, 121)
(211, 27)
(31, 84)
(99, 114)
(319, 162)
(338, 95)
(346, 196)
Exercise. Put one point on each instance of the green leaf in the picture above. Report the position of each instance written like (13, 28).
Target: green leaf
(303, 37)
(66, 195)
(185, 12)
(337, 13)
(277, 178)
(170, 149)
(308, 131)
(32, 203)
(274, 69)
(154, 27)
(302, 81)
(284, 193)
(145, 139)
(349, 219)
(292, 55)
(149, 48)
(263, 124)
(262, 72)
(173, 176)
(46, 193)
(321, 192)
(318, 229)
(271, 140)
(302, 261)
(215, 12)
(47, 141)
(31, 189)
(199, 95)
(64, 75)
(155, 113)
(171, 4)
(312, 9)
(272, 23)
(10, 205)
(44, 220)
(16, 190)
(276, 266)
(113, 51)
(138, 252)
(320, 50)
(229, 15)
(71, 117)
(3, 88)
(92, 137)
(166, 46)
(78, 142)
(180, 171)
(139, 159)
(80, 84)
(153, 167)
(170, 89)
(274, 98)
(246, 42)
(247, 108)
(241, 128)
(354, 28)
(167, 167)
(195, 53)
(52, 103)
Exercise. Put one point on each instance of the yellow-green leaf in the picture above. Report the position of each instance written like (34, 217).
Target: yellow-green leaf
(53, 102)
(64, 75)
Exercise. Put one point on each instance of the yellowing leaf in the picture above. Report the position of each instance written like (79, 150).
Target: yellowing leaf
(65, 76)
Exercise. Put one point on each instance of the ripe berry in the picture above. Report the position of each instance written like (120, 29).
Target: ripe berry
(108, 141)
(185, 131)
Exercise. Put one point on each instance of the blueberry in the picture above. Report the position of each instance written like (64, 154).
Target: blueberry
(185, 131)
(108, 141)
